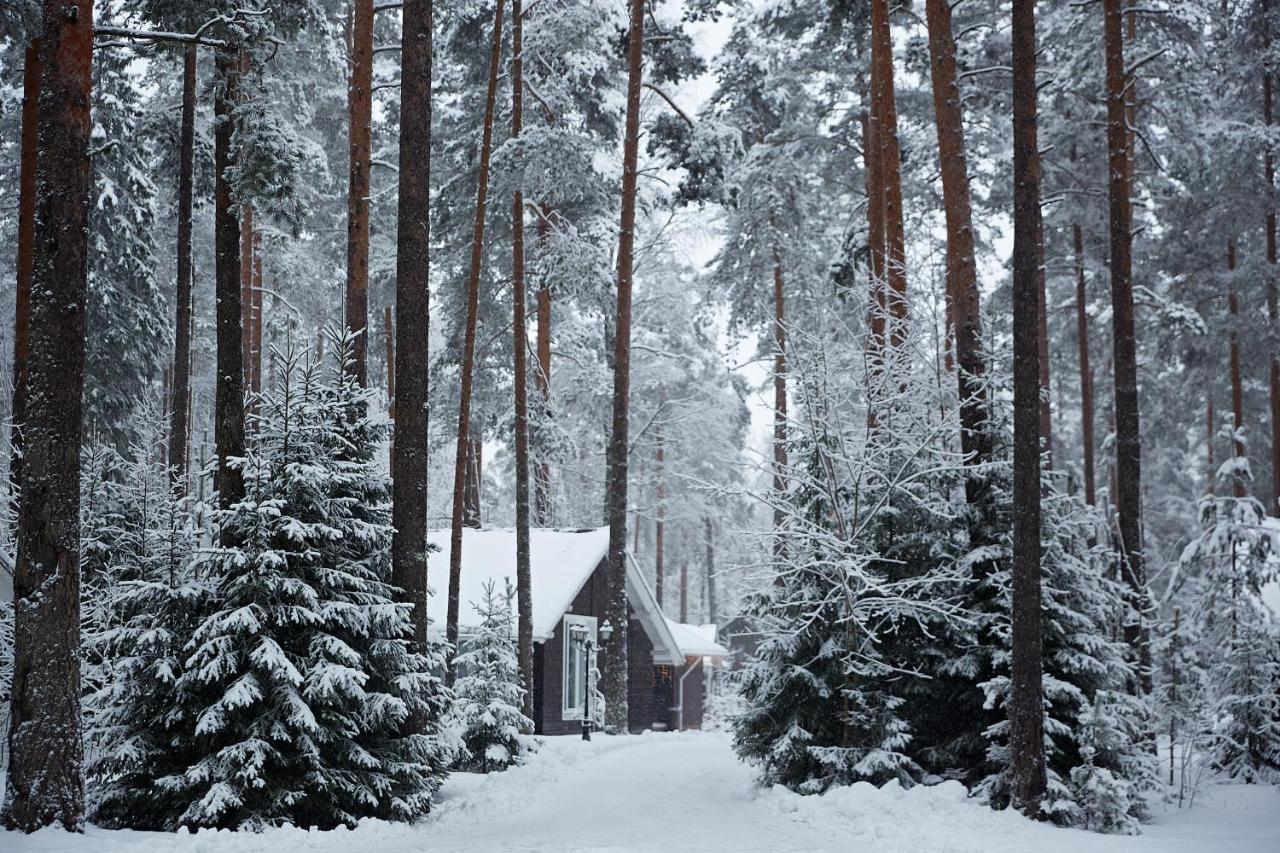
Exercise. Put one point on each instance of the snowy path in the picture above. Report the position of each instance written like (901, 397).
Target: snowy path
(678, 793)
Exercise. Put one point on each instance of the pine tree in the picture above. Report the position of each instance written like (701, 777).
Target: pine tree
(46, 778)
(494, 728)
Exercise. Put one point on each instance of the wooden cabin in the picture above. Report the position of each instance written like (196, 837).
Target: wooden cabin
(567, 569)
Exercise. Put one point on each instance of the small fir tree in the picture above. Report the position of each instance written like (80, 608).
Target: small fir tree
(1237, 647)
(496, 732)
(1097, 734)
(138, 722)
(314, 709)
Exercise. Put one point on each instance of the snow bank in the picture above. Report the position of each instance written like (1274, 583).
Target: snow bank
(892, 818)
(687, 793)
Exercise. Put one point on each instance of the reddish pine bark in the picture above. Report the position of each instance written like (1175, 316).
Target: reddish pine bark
(614, 681)
(1124, 361)
(963, 301)
(229, 424)
(1086, 372)
(413, 257)
(46, 754)
(1026, 710)
(890, 167)
(524, 581)
(875, 234)
(179, 425)
(469, 348)
(360, 107)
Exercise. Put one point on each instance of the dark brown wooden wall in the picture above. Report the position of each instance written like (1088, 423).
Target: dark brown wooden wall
(548, 667)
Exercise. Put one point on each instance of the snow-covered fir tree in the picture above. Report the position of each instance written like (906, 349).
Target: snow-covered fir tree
(138, 724)
(1228, 648)
(496, 732)
(823, 694)
(1099, 746)
(311, 707)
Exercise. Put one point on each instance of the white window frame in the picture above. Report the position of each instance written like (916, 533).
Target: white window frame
(589, 622)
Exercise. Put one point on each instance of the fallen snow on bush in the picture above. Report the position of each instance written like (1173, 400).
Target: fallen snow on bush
(679, 793)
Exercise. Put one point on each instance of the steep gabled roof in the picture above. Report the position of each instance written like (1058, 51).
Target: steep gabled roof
(561, 561)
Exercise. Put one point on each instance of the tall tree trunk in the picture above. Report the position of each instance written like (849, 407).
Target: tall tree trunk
(1026, 709)
(179, 426)
(360, 103)
(1238, 484)
(255, 366)
(542, 477)
(246, 294)
(710, 567)
(26, 256)
(709, 560)
(1125, 363)
(524, 581)
(888, 158)
(779, 391)
(684, 591)
(409, 456)
(1086, 372)
(229, 426)
(46, 778)
(660, 522)
(389, 348)
(614, 682)
(469, 347)
(962, 272)
(875, 236)
(1273, 308)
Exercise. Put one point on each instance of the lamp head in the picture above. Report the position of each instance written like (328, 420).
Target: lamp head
(606, 631)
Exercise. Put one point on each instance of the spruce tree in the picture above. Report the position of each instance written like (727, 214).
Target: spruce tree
(303, 675)
(137, 721)
(1099, 764)
(1236, 647)
(494, 728)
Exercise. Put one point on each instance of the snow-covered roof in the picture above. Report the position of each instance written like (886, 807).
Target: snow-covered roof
(560, 561)
(697, 640)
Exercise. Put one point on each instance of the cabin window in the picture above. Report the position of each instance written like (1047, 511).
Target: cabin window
(578, 632)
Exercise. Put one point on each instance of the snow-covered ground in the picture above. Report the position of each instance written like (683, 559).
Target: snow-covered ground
(687, 792)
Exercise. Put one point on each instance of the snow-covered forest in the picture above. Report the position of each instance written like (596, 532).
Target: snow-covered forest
(639, 424)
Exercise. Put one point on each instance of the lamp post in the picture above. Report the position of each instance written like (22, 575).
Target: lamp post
(588, 698)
